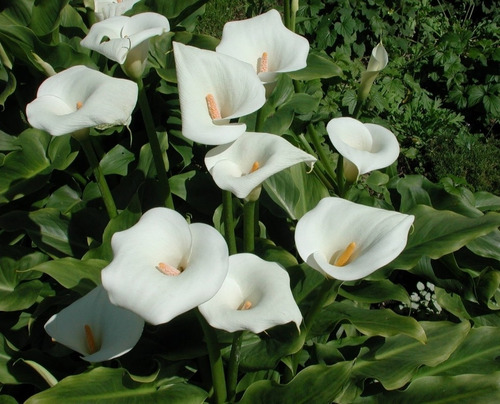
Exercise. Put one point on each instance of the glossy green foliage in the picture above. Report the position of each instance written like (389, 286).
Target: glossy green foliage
(423, 328)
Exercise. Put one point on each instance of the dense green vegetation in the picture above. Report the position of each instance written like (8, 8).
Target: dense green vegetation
(422, 327)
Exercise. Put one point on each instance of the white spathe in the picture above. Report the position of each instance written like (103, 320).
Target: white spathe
(231, 165)
(116, 37)
(325, 232)
(255, 296)
(104, 9)
(234, 86)
(163, 239)
(79, 98)
(115, 330)
(367, 146)
(248, 40)
(378, 59)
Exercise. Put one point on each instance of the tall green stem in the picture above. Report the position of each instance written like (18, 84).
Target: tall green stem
(249, 226)
(340, 176)
(158, 155)
(321, 153)
(319, 168)
(227, 211)
(232, 369)
(215, 357)
(109, 202)
(286, 12)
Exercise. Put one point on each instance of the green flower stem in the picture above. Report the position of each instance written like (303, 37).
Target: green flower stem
(294, 5)
(232, 369)
(215, 357)
(321, 153)
(109, 202)
(158, 155)
(286, 12)
(357, 108)
(340, 176)
(318, 165)
(259, 120)
(249, 218)
(227, 211)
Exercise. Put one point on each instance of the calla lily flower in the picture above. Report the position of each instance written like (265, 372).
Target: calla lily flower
(265, 43)
(96, 328)
(246, 163)
(364, 146)
(104, 9)
(213, 89)
(348, 241)
(126, 39)
(378, 60)
(79, 98)
(163, 266)
(255, 296)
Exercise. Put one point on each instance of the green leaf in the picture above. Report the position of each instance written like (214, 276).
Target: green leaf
(486, 201)
(22, 43)
(478, 353)
(452, 303)
(395, 362)
(107, 385)
(437, 233)
(79, 275)
(48, 229)
(375, 292)
(19, 289)
(24, 171)
(467, 388)
(125, 219)
(46, 375)
(295, 191)
(488, 290)
(476, 94)
(319, 66)
(8, 143)
(8, 89)
(16, 12)
(62, 151)
(264, 351)
(46, 15)
(116, 161)
(491, 104)
(315, 384)
(268, 251)
(64, 199)
(383, 322)
(486, 246)
(4, 399)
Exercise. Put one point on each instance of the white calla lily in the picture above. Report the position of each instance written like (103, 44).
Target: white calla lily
(364, 146)
(104, 9)
(126, 39)
(96, 328)
(213, 89)
(255, 296)
(79, 98)
(265, 43)
(348, 241)
(163, 266)
(378, 60)
(246, 163)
